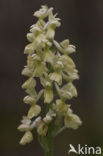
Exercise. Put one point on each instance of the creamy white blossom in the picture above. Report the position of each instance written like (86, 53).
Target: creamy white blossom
(50, 73)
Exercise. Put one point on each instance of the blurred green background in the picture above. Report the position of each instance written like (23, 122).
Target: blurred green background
(82, 23)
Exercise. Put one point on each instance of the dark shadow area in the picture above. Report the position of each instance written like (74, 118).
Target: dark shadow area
(82, 23)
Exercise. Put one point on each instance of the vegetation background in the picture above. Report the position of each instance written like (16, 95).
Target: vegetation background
(82, 23)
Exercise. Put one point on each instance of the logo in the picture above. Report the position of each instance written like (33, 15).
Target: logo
(84, 149)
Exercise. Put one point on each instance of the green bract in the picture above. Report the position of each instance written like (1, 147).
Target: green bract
(49, 64)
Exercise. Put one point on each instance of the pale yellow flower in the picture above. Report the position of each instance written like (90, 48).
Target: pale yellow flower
(72, 121)
(27, 138)
(49, 65)
(48, 95)
(34, 111)
(56, 76)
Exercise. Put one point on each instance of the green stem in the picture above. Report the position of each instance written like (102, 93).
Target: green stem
(50, 151)
(47, 142)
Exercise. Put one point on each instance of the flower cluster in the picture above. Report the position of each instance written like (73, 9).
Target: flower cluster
(50, 62)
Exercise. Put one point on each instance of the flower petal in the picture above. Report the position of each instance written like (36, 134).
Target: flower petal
(34, 111)
(27, 138)
(48, 95)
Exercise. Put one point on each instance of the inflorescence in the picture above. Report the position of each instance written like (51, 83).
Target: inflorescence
(48, 62)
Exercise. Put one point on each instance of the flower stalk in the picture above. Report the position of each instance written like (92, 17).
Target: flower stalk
(48, 64)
